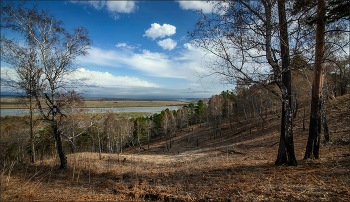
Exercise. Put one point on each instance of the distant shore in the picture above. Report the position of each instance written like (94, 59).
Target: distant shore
(14, 103)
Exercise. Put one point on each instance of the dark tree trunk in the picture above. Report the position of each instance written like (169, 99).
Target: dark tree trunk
(99, 143)
(313, 144)
(324, 122)
(266, 106)
(197, 140)
(170, 140)
(148, 139)
(286, 146)
(166, 141)
(32, 146)
(247, 120)
(286, 153)
(60, 151)
(295, 106)
(304, 120)
(229, 119)
(342, 85)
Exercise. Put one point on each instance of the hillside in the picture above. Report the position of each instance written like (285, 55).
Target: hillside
(239, 166)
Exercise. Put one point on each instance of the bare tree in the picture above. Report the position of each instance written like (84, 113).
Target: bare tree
(72, 103)
(182, 117)
(337, 76)
(256, 104)
(327, 13)
(110, 126)
(173, 125)
(148, 125)
(191, 114)
(26, 79)
(245, 37)
(242, 104)
(56, 51)
(229, 98)
(166, 127)
(139, 125)
(130, 127)
(200, 112)
(215, 108)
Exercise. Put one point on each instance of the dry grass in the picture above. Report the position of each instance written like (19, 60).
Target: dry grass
(237, 167)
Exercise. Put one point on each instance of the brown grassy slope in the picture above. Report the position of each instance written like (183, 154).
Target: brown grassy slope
(238, 167)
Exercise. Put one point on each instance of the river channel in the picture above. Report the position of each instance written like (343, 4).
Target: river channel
(152, 110)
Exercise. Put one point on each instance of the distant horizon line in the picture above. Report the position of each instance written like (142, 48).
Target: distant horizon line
(116, 98)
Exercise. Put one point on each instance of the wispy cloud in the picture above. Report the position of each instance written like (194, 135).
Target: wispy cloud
(205, 6)
(9, 74)
(142, 92)
(114, 8)
(187, 63)
(126, 46)
(121, 6)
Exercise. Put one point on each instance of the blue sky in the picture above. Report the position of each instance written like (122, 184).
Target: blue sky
(140, 49)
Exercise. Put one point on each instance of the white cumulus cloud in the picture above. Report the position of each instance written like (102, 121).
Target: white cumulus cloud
(161, 31)
(167, 44)
(105, 79)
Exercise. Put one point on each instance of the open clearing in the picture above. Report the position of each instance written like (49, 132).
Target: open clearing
(237, 167)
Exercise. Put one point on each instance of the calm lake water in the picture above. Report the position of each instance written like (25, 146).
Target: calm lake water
(153, 110)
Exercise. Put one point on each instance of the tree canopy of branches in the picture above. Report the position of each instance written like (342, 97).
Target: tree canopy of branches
(53, 51)
(28, 81)
(249, 42)
(327, 16)
(334, 11)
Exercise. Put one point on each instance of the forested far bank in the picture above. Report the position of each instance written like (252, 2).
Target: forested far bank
(146, 110)
(22, 103)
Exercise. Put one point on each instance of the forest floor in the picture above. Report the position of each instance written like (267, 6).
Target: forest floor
(239, 166)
